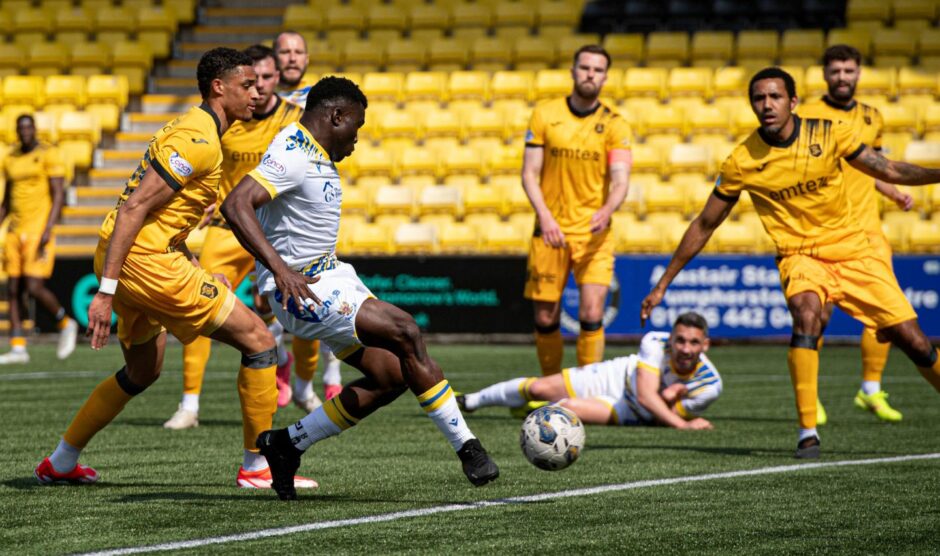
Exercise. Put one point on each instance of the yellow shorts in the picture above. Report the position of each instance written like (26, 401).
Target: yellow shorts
(222, 254)
(21, 255)
(591, 260)
(164, 291)
(865, 287)
(881, 248)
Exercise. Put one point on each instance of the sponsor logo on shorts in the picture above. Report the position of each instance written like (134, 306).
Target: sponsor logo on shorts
(535, 276)
(274, 165)
(208, 291)
(180, 166)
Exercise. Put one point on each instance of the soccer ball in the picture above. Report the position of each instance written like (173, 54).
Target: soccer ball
(552, 437)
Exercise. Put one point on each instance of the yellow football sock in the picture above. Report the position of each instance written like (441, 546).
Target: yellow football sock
(63, 322)
(590, 346)
(337, 413)
(102, 406)
(257, 391)
(932, 373)
(550, 348)
(195, 357)
(306, 357)
(874, 355)
(18, 342)
(804, 373)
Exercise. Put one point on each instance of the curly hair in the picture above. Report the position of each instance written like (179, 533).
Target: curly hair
(216, 64)
(334, 88)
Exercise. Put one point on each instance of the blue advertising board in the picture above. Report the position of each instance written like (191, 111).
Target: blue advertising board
(739, 295)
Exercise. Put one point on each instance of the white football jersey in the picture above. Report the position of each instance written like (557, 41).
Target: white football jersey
(302, 219)
(298, 96)
(703, 384)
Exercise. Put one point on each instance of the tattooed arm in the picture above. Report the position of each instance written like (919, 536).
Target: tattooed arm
(875, 165)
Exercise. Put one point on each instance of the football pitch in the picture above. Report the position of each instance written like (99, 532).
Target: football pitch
(393, 485)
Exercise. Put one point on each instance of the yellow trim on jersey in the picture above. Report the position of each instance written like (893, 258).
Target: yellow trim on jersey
(682, 411)
(343, 354)
(263, 181)
(566, 374)
(313, 141)
(438, 395)
(648, 367)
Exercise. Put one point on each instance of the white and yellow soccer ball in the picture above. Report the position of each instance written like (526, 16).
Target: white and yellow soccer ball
(552, 437)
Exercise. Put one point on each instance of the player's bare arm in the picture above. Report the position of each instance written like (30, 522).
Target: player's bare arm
(57, 192)
(239, 211)
(904, 201)
(5, 204)
(619, 169)
(647, 385)
(877, 166)
(152, 193)
(696, 236)
(531, 177)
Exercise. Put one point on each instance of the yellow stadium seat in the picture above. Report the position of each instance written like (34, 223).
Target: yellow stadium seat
(415, 238)
(807, 43)
(730, 81)
(486, 122)
(393, 199)
(405, 55)
(645, 82)
(663, 119)
(511, 84)
(48, 58)
(647, 159)
(73, 25)
(870, 10)
(713, 45)
(708, 120)
(483, 199)
(515, 201)
(505, 159)
(534, 53)
(687, 157)
(386, 16)
(491, 53)
(472, 85)
(385, 86)
(523, 222)
(893, 145)
(363, 55)
(557, 13)
(429, 16)
(471, 14)
(156, 27)
(859, 38)
(398, 123)
(931, 118)
(441, 123)
(914, 9)
(79, 132)
(923, 153)
(458, 238)
(419, 161)
(425, 85)
(625, 49)
(23, 89)
(107, 89)
(90, 59)
(665, 197)
(463, 160)
(503, 237)
(31, 25)
(447, 54)
(667, 45)
(814, 84)
(756, 45)
(736, 237)
(924, 237)
(46, 126)
(914, 81)
(552, 83)
(65, 89)
(303, 18)
(642, 238)
(114, 25)
(513, 14)
(133, 60)
(375, 162)
(666, 220)
(344, 16)
(929, 42)
(371, 238)
(440, 199)
(12, 58)
(743, 121)
(893, 42)
(898, 117)
(690, 82)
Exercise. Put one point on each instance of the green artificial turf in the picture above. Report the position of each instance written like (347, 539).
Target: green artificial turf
(161, 486)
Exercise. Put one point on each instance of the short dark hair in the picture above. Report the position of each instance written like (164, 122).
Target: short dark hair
(841, 53)
(216, 64)
(29, 117)
(694, 320)
(259, 52)
(593, 49)
(334, 88)
(773, 73)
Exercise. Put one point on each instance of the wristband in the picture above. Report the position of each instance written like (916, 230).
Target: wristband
(107, 286)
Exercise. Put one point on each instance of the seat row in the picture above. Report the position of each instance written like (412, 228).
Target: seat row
(886, 11)
(106, 96)
(76, 133)
(133, 60)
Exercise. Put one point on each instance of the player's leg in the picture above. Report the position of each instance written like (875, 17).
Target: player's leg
(17, 353)
(870, 396)
(803, 361)
(68, 328)
(144, 361)
(306, 358)
(332, 379)
(909, 337)
(821, 416)
(546, 272)
(515, 392)
(284, 357)
(593, 266)
(591, 411)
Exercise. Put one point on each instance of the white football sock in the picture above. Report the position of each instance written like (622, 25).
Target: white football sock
(253, 461)
(65, 457)
(505, 394)
(870, 387)
(806, 433)
(303, 389)
(190, 402)
(312, 429)
(450, 422)
(331, 373)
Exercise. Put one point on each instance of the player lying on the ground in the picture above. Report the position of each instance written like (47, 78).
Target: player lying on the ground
(669, 382)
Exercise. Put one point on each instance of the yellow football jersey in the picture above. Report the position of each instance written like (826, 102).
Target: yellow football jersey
(575, 178)
(244, 143)
(859, 187)
(187, 154)
(798, 188)
(27, 177)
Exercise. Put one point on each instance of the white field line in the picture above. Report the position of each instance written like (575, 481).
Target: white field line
(395, 516)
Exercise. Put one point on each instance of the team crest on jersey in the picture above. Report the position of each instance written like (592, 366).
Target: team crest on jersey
(298, 141)
(815, 149)
(208, 291)
(867, 120)
(180, 166)
(599, 128)
(274, 165)
(529, 136)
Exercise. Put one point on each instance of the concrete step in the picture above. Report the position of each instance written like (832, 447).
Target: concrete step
(76, 234)
(132, 141)
(139, 122)
(108, 177)
(195, 50)
(168, 105)
(117, 159)
(243, 16)
(173, 85)
(185, 69)
(86, 214)
(76, 250)
(211, 35)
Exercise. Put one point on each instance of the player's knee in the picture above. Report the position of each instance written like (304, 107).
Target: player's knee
(591, 326)
(540, 390)
(34, 287)
(260, 360)
(406, 332)
(807, 321)
(546, 327)
(137, 383)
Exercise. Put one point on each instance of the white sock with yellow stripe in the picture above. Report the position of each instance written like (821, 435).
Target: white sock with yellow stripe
(441, 406)
(328, 420)
(509, 393)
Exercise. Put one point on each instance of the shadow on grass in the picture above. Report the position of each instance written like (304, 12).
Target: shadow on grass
(827, 454)
(240, 497)
(158, 423)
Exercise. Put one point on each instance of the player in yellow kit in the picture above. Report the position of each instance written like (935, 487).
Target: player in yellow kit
(841, 70)
(242, 147)
(791, 168)
(34, 175)
(148, 276)
(576, 172)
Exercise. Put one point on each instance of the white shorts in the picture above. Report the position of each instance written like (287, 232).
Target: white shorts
(604, 381)
(334, 322)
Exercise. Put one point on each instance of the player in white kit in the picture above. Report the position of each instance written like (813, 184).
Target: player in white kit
(286, 213)
(669, 382)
